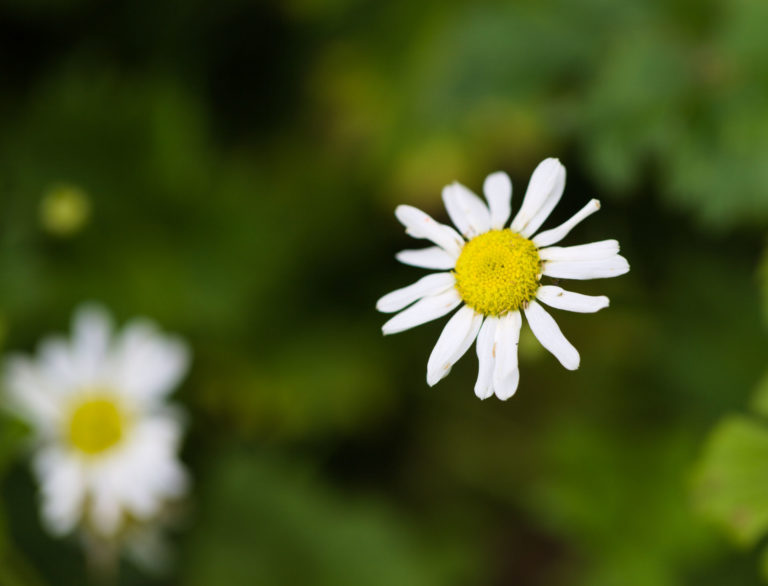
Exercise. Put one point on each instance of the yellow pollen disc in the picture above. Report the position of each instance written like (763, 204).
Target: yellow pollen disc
(498, 272)
(97, 424)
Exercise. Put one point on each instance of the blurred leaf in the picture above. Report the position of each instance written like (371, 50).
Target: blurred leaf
(762, 275)
(759, 402)
(318, 384)
(731, 478)
(14, 570)
(13, 432)
(599, 474)
(266, 522)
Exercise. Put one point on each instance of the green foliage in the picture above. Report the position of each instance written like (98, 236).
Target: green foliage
(586, 504)
(264, 521)
(304, 390)
(763, 282)
(236, 165)
(640, 88)
(760, 398)
(14, 569)
(732, 477)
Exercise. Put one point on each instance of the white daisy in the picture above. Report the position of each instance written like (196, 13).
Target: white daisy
(493, 272)
(106, 442)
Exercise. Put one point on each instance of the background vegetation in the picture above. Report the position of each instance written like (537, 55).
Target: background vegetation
(230, 169)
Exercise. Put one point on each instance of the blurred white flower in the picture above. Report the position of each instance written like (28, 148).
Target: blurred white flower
(493, 272)
(106, 441)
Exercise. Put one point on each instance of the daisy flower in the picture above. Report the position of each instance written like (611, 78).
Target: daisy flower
(106, 442)
(493, 272)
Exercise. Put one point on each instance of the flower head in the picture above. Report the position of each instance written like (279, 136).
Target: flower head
(494, 273)
(106, 442)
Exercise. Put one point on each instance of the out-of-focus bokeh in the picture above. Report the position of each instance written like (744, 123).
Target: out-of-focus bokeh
(230, 170)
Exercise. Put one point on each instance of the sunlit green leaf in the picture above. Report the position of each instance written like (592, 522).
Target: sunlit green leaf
(760, 398)
(731, 479)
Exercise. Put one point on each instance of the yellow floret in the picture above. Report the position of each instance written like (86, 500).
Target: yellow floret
(96, 425)
(498, 272)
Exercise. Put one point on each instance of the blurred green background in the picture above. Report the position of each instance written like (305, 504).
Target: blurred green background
(230, 169)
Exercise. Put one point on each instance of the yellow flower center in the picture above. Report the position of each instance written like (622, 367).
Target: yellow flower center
(498, 272)
(96, 425)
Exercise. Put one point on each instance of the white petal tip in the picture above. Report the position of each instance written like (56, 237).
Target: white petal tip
(400, 256)
(403, 214)
(573, 365)
(595, 203)
(483, 394)
(508, 387)
(600, 303)
(623, 268)
(498, 181)
(448, 189)
(507, 393)
(436, 375)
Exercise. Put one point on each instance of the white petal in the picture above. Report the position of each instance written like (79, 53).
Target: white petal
(557, 234)
(546, 185)
(456, 338)
(562, 299)
(147, 364)
(152, 454)
(498, 191)
(467, 211)
(506, 375)
(135, 495)
(172, 480)
(59, 364)
(424, 287)
(145, 471)
(91, 326)
(106, 510)
(421, 225)
(62, 490)
(486, 358)
(422, 311)
(549, 205)
(507, 387)
(592, 251)
(92, 329)
(549, 335)
(586, 269)
(433, 257)
(30, 393)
